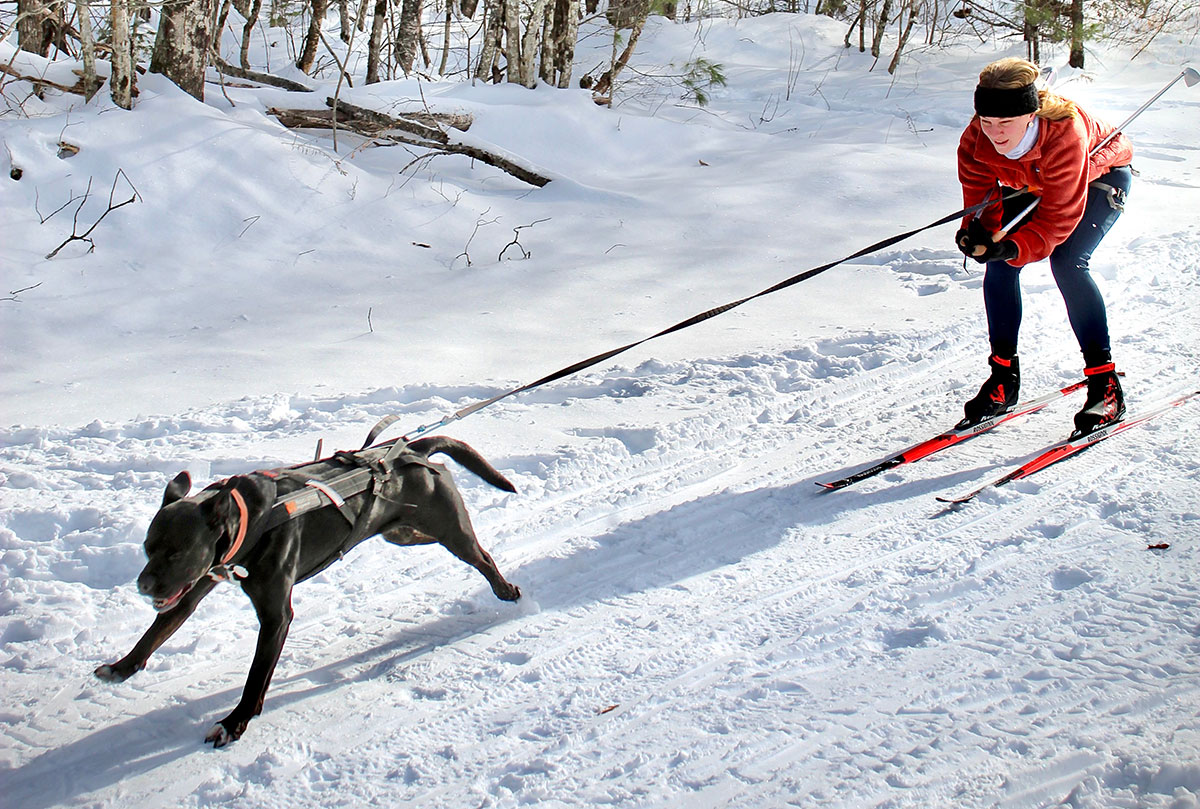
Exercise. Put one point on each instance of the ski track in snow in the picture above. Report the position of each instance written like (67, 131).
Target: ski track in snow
(701, 625)
(777, 631)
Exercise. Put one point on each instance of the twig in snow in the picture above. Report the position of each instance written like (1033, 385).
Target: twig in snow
(478, 224)
(251, 220)
(12, 296)
(86, 235)
(516, 240)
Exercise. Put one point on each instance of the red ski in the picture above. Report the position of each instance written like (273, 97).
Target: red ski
(1071, 446)
(957, 435)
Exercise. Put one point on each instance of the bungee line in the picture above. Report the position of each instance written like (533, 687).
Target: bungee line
(574, 368)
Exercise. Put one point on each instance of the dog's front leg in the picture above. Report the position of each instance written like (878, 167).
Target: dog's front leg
(273, 603)
(164, 626)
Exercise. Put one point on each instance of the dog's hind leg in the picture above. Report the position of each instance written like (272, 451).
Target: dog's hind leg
(164, 626)
(458, 537)
(467, 548)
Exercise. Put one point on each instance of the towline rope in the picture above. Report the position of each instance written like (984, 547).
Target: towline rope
(681, 325)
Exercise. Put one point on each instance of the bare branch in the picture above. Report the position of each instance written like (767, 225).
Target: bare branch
(12, 296)
(516, 240)
(86, 235)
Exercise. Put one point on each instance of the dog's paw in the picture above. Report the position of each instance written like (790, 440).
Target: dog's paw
(219, 736)
(509, 592)
(226, 731)
(111, 674)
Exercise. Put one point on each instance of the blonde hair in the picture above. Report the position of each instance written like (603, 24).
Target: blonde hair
(1011, 73)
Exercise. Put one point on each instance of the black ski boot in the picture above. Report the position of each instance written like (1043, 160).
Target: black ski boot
(1105, 401)
(998, 394)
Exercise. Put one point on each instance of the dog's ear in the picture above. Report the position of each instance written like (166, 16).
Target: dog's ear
(219, 507)
(177, 489)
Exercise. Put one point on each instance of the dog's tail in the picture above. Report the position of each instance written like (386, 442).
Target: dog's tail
(465, 455)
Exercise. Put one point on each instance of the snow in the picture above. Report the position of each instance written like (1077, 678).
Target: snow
(701, 626)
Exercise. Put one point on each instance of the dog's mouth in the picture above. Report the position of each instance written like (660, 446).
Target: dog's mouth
(166, 604)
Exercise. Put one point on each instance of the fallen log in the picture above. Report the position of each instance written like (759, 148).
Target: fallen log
(424, 129)
(79, 88)
(253, 75)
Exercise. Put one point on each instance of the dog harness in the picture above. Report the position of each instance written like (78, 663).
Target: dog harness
(366, 471)
(223, 571)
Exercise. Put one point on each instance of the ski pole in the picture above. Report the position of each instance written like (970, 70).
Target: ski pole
(1190, 76)
(1004, 229)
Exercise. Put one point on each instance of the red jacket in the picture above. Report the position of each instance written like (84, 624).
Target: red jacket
(1057, 169)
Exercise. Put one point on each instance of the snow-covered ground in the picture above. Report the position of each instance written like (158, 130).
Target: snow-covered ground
(702, 626)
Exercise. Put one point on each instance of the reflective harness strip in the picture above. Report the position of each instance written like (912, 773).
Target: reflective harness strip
(1116, 196)
(243, 524)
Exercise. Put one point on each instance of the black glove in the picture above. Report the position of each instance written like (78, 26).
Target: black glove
(972, 236)
(998, 251)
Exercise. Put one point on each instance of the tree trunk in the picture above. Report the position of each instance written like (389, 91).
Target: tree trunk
(530, 44)
(862, 26)
(880, 26)
(1076, 57)
(854, 22)
(512, 40)
(376, 43)
(566, 27)
(1032, 37)
(120, 81)
(446, 38)
(40, 25)
(308, 56)
(913, 8)
(181, 48)
(247, 31)
(409, 36)
(603, 91)
(220, 25)
(87, 42)
(345, 23)
(493, 32)
(549, 45)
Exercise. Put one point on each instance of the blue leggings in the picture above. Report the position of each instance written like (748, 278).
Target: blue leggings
(1069, 263)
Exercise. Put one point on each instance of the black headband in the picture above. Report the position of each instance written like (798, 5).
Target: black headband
(993, 102)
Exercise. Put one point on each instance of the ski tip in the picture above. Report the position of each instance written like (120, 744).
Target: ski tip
(830, 487)
(954, 501)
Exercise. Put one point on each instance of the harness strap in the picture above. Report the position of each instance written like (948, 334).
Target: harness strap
(1116, 196)
(243, 524)
(223, 571)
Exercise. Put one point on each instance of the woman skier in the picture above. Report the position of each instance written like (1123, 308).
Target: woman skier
(1022, 138)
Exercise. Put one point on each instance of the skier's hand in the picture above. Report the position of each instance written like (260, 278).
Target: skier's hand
(973, 239)
(995, 251)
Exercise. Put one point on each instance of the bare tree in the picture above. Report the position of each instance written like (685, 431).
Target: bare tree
(914, 8)
(375, 45)
(881, 24)
(183, 43)
(558, 43)
(493, 33)
(1076, 57)
(408, 36)
(345, 21)
(251, 15)
(512, 38)
(622, 13)
(41, 24)
(313, 38)
(120, 81)
(87, 46)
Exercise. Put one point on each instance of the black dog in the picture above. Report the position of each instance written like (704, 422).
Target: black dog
(275, 528)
